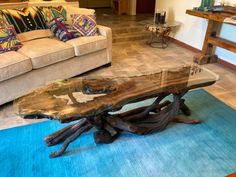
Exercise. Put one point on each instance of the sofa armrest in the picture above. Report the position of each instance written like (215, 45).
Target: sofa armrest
(104, 31)
(107, 32)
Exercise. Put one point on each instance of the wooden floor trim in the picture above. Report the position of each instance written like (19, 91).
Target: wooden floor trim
(195, 50)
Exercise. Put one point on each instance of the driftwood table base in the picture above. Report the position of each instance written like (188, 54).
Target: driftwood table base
(63, 101)
(144, 120)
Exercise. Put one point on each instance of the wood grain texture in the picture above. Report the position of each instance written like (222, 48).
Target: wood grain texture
(218, 17)
(56, 100)
(112, 95)
(223, 43)
(215, 21)
(121, 6)
(232, 175)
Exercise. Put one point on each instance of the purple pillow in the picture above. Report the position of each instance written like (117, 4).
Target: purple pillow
(8, 40)
(62, 30)
(86, 25)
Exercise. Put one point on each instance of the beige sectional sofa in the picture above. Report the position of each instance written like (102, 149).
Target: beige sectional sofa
(43, 59)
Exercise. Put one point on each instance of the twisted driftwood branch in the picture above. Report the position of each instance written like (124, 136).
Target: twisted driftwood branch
(70, 139)
(144, 120)
(64, 133)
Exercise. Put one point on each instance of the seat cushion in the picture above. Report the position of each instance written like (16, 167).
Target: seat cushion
(88, 44)
(13, 64)
(46, 51)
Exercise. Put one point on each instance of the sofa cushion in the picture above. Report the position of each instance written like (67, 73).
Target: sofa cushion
(89, 44)
(44, 52)
(13, 64)
(35, 34)
(25, 19)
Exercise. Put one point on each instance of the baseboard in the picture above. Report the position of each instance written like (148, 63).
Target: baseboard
(184, 45)
(227, 64)
(195, 50)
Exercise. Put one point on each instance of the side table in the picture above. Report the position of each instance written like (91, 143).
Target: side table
(160, 34)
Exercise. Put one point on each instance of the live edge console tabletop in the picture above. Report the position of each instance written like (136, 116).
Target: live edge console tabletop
(212, 39)
(66, 101)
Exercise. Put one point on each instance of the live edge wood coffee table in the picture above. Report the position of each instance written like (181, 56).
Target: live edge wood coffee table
(63, 101)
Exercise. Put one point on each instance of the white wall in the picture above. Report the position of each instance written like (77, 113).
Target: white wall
(192, 29)
(133, 4)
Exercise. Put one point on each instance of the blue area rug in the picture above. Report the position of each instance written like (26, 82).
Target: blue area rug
(207, 149)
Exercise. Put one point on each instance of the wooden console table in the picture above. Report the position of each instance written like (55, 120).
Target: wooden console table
(212, 39)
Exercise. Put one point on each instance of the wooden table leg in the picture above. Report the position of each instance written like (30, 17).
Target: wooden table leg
(186, 120)
(145, 120)
(207, 55)
(232, 175)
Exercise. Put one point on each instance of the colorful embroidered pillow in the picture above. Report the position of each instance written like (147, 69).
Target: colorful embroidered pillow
(25, 19)
(53, 12)
(3, 20)
(62, 31)
(8, 40)
(86, 25)
(75, 10)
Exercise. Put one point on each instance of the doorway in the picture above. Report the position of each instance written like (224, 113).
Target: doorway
(145, 6)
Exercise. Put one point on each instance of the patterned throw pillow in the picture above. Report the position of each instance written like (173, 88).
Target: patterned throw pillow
(25, 19)
(53, 12)
(3, 20)
(8, 40)
(86, 25)
(62, 31)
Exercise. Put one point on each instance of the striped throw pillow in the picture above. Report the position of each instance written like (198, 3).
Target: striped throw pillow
(25, 19)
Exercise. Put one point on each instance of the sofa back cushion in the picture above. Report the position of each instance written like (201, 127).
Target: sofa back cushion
(45, 52)
(8, 40)
(35, 34)
(25, 19)
(50, 13)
